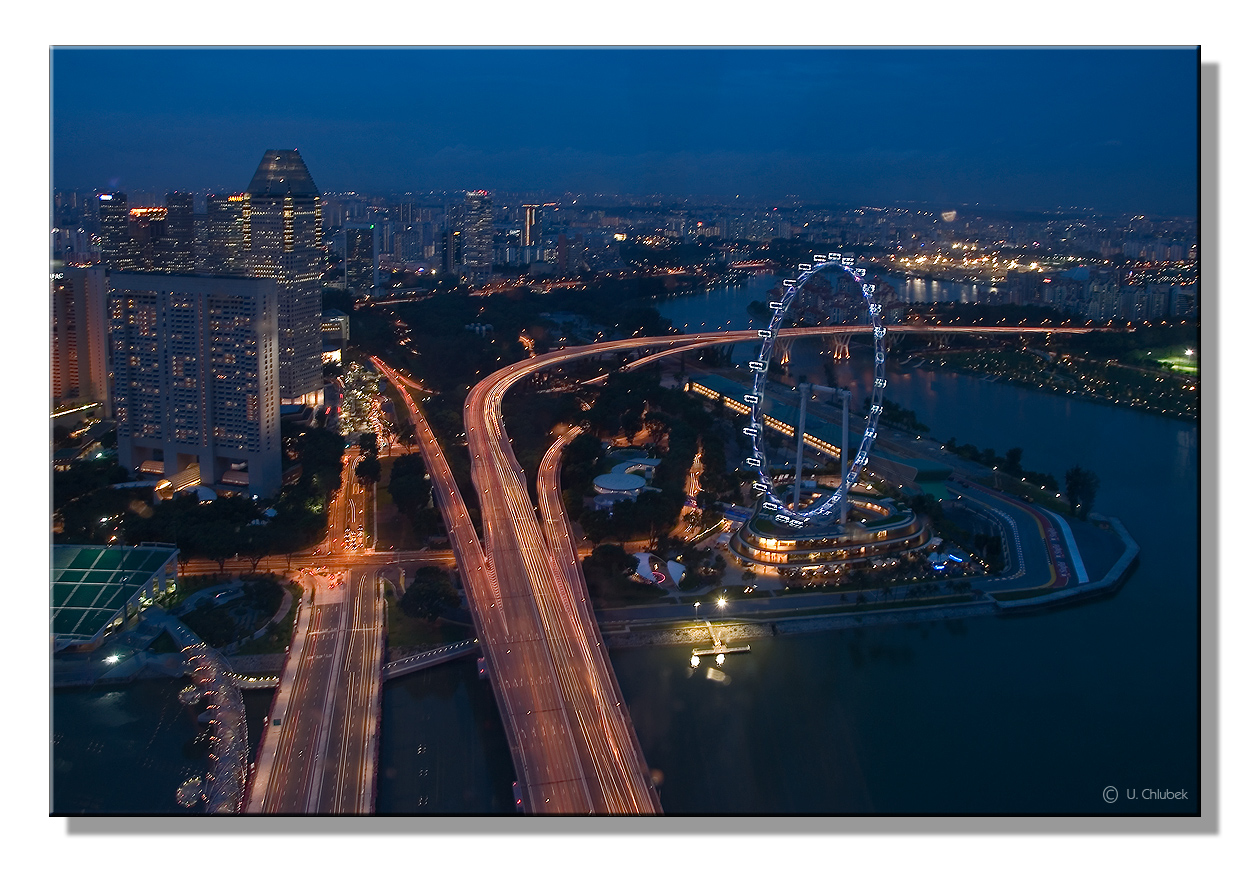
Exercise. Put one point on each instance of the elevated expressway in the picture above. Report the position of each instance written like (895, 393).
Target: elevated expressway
(573, 745)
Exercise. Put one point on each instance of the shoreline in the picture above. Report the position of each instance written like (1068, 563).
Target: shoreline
(799, 623)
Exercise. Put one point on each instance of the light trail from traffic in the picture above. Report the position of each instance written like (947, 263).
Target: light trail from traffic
(522, 674)
(525, 599)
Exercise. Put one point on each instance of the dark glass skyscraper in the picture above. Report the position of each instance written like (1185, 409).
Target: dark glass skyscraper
(361, 245)
(177, 252)
(282, 232)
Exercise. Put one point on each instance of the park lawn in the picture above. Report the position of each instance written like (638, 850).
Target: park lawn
(278, 638)
(190, 584)
(406, 632)
(1043, 498)
(1181, 364)
(625, 593)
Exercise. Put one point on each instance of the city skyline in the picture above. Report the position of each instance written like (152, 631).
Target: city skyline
(474, 393)
(1013, 129)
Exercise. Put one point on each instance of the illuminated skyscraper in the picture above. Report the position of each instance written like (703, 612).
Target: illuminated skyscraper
(531, 233)
(80, 337)
(116, 251)
(226, 242)
(282, 231)
(531, 225)
(147, 237)
(479, 237)
(195, 378)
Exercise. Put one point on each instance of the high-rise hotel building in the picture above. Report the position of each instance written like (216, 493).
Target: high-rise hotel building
(282, 236)
(195, 378)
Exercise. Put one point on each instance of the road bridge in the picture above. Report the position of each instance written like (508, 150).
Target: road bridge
(318, 752)
(429, 658)
(568, 729)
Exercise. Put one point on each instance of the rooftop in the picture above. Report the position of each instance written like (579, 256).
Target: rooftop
(90, 585)
(282, 173)
(619, 483)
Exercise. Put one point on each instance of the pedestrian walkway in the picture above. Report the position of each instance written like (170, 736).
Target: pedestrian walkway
(429, 658)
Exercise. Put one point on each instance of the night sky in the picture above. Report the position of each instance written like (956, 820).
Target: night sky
(1113, 130)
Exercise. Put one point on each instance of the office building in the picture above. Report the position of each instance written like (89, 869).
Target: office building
(531, 233)
(226, 241)
(361, 249)
(479, 237)
(453, 238)
(80, 338)
(147, 237)
(282, 228)
(195, 378)
(115, 247)
(176, 253)
(531, 225)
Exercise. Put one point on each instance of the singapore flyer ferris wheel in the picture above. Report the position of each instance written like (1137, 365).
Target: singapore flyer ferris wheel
(822, 507)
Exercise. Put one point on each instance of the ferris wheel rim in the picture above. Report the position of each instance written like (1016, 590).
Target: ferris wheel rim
(764, 485)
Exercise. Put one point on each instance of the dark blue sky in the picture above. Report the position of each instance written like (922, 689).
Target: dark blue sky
(1113, 130)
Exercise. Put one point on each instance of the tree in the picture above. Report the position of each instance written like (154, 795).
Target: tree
(408, 487)
(369, 470)
(429, 593)
(218, 541)
(258, 542)
(596, 523)
(368, 444)
(1081, 486)
(612, 560)
(1013, 460)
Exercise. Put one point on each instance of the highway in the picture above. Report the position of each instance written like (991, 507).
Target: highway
(349, 742)
(318, 755)
(574, 748)
(522, 674)
(571, 585)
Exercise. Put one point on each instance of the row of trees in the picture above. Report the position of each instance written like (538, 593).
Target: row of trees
(429, 593)
(894, 414)
(410, 489)
(1010, 463)
(368, 467)
(226, 527)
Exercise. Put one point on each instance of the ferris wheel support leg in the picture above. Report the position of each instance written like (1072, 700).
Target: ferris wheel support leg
(846, 425)
(798, 452)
